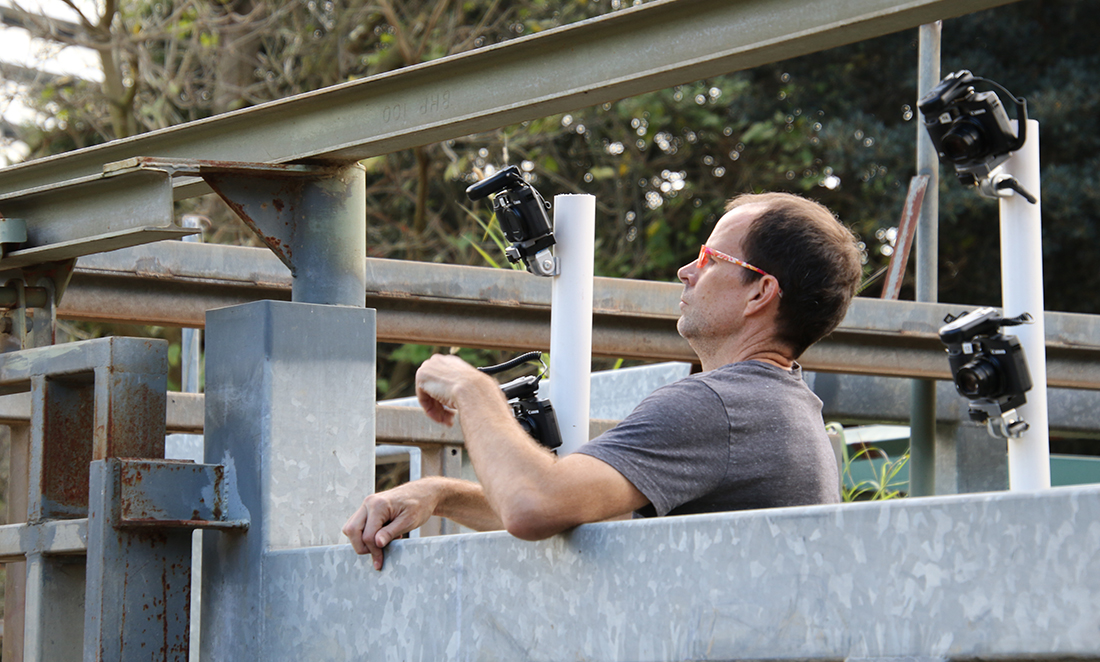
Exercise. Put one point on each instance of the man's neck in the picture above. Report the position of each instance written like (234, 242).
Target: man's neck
(737, 350)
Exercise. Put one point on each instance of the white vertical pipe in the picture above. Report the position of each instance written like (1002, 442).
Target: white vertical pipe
(571, 317)
(190, 355)
(1022, 291)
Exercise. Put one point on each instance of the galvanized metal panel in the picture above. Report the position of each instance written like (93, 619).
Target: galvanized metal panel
(992, 576)
(624, 53)
(290, 413)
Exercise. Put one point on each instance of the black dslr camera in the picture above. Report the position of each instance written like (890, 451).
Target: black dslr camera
(521, 212)
(989, 368)
(535, 416)
(971, 131)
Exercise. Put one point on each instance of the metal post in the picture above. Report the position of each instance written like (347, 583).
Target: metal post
(331, 241)
(290, 413)
(313, 219)
(1022, 291)
(922, 444)
(139, 583)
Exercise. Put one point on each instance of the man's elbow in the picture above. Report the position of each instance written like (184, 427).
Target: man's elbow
(532, 518)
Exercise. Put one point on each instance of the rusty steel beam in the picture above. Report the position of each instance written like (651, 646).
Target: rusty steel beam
(174, 283)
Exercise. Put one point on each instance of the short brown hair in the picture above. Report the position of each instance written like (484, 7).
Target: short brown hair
(812, 255)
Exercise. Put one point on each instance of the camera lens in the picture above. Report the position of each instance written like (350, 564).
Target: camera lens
(964, 142)
(978, 379)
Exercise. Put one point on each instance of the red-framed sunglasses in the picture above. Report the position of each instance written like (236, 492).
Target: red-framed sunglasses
(706, 252)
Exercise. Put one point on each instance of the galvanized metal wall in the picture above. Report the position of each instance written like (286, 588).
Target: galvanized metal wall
(992, 576)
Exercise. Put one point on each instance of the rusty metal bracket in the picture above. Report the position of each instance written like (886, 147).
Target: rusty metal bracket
(313, 218)
(140, 517)
(175, 494)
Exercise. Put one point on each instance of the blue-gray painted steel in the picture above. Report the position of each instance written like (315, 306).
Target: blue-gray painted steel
(290, 414)
(89, 400)
(1004, 576)
(315, 224)
(162, 494)
(138, 581)
(54, 610)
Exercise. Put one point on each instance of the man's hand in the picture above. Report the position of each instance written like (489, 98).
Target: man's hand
(439, 382)
(388, 515)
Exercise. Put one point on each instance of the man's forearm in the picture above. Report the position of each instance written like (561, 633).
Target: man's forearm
(512, 468)
(464, 502)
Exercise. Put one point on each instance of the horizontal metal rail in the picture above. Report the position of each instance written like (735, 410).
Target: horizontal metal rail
(56, 537)
(394, 424)
(618, 55)
(174, 283)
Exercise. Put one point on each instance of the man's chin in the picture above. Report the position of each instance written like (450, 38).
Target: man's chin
(683, 327)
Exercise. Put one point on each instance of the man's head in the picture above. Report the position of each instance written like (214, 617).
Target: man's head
(810, 253)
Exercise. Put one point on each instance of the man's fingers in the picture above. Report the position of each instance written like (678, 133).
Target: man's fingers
(353, 529)
(374, 522)
(395, 529)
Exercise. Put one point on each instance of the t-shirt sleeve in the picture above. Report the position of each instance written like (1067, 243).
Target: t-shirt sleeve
(674, 447)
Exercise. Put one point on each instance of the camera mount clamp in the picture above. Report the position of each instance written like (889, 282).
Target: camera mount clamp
(999, 184)
(521, 212)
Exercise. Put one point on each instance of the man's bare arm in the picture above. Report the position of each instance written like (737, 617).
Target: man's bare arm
(388, 515)
(535, 494)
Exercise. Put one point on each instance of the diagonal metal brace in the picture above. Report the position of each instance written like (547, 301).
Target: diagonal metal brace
(312, 217)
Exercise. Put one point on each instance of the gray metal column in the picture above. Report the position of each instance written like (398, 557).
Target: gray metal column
(922, 445)
(15, 580)
(313, 219)
(290, 413)
(139, 588)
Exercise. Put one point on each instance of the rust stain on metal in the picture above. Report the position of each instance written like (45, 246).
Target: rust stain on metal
(67, 451)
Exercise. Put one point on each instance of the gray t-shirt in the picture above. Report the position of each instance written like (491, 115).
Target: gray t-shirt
(746, 435)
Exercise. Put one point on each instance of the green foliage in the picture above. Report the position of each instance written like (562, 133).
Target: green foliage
(886, 476)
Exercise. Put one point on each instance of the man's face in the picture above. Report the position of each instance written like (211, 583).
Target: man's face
(711, 304)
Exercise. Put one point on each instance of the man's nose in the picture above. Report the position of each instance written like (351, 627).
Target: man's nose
(686, 272)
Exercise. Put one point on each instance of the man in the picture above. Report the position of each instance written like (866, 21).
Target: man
(776, 275)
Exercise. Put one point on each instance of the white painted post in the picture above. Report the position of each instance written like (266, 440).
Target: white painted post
(1022, 291)
(571, 317)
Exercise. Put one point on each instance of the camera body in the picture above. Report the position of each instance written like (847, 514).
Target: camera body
(535, 416)
(521, 212)
(989, 368)
(970, 130)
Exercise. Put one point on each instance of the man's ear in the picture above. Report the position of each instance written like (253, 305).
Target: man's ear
(764, 292)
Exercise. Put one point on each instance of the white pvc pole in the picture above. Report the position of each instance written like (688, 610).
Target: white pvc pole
(571, 317)
(1022, 291)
